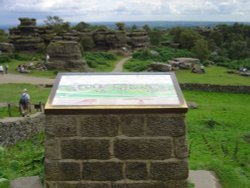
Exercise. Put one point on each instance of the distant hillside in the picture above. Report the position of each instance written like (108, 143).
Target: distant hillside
(157, 24)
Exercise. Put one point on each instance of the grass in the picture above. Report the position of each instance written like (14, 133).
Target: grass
(13, 64)
(135, 65)
(213, 75)
(218, 135)
(23, 159)
(12, 92)
(102, 61)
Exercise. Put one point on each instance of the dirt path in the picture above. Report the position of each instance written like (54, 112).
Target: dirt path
(21, 78)
(119, 65)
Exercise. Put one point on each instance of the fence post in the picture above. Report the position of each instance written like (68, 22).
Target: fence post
(9, 110)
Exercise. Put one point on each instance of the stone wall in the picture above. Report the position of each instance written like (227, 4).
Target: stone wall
(116, 151)
(17, 129)
(216, 88)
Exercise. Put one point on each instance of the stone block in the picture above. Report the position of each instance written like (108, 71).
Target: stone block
(169, 184)
(82, 185)
(60, 126)
(138, 185)
(52, 149)
(62, 171)
(85, 149)
(93, 185)
(133, 125)
(180, 147)
(136, 171)
(177, 170)
(102, 171)
(163, 125)
(159, 149)
(99, 126)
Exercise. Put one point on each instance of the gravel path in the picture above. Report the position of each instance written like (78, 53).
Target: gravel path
(119, 65)
(22, 78)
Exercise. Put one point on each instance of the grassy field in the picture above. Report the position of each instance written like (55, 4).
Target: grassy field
(12, 92)
(13, 64)
(213, 75)
(23, 159)
(219, 136)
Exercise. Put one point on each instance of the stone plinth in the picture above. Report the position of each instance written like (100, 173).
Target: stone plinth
(119, 147)
(125, 150)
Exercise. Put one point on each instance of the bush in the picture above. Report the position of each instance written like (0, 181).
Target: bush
(136, 66)
(164, 54)
(4, 58)
(99, 58)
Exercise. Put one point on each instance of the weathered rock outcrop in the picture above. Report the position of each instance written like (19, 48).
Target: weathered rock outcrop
(138, 39)
(6, 48)
(26, 36)
(160, 67)
(106, 39)
(29, 37)
(183, 62)
(66, 55)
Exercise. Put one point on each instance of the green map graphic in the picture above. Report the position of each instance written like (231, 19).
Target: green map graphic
(115, 91)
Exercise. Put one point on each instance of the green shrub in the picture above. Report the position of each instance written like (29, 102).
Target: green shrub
(94, 59)
(163, 54)
(136, 66)
(4, 183)
(4, 58)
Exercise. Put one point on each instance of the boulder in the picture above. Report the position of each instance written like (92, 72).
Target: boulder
(183, 62)
(6, 48)
(66, 55)
(160, 67)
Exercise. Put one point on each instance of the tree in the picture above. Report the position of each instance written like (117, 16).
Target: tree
(81, 26)
(147, 28)
(238, 50)
(200, 49)
(57, 24)
(134, 27)
(155, 37)
(3, 36)
(176, 32)
(217, 37)
(120, 26)
(188, 38)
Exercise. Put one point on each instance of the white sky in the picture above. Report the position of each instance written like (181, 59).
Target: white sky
(126, 10)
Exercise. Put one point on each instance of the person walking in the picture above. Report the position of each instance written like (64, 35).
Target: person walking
(6, 68)
(24, 103)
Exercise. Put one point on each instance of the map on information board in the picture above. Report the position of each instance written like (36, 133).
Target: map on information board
(115, 90)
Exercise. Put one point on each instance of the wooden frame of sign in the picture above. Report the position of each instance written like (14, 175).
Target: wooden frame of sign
(107, 93)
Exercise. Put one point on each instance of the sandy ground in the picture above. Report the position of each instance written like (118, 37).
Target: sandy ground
(119, 65)
(22, 78)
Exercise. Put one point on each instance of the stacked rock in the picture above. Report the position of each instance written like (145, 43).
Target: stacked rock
(26, 36)
(138, 39)
(66, 55)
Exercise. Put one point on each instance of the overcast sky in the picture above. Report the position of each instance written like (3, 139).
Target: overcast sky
(126, 10)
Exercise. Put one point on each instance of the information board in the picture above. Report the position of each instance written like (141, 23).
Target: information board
(80, 90)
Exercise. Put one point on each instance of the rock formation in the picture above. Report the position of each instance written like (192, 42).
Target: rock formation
(26, 36)
(66, 55)
(29, 37)
(160, 67)
(138, 39)
(6, 48)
